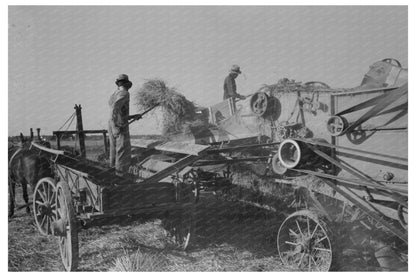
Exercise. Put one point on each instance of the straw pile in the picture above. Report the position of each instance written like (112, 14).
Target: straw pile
(177, 110)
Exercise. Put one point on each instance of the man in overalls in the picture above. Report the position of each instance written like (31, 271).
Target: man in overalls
(118, 126)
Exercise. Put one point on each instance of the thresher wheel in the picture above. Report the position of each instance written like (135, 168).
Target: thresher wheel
(65, 227)
(303, 242)
(44, 205)
(259, 103)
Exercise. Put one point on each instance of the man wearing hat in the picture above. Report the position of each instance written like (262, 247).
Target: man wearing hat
(118, 130)
(230, 88)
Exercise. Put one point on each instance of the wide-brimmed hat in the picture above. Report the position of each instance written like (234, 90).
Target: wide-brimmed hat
(123, 79)
(235, 69)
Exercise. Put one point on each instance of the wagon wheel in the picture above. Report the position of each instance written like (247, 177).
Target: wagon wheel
(44, 205)
(183, 229)
(65, 227)
(259, 103)
(303, 242)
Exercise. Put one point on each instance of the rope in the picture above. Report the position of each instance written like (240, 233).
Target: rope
(71, 117)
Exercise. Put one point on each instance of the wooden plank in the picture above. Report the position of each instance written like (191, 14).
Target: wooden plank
(142, 210)
(178, 166)
(46, 149)
(155, 165)
(182, 147)
(363, 91)
(76, 132)
(144, 143)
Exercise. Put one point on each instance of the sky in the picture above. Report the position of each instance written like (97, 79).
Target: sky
(66, 55)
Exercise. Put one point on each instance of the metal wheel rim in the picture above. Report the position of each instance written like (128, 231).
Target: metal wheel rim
(44, 205)
(182, 240)
(68, 243)
(183, 232)
(317, 255)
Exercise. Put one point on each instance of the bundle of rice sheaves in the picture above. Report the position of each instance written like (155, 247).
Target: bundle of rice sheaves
(177, 110)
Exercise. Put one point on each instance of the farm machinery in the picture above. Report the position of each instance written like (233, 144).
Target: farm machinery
(344, 151)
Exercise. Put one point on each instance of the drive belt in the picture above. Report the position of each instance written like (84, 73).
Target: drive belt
(377, 103)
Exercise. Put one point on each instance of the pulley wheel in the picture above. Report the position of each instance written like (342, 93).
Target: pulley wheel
(259, 103)
(336, 125)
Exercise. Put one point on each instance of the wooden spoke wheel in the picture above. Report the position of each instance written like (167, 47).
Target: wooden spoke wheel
(303, 242)
(182, 232)
(65, 227)
(44, 205)
(184, 226)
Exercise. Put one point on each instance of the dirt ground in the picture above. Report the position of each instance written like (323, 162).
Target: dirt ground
(229, 237)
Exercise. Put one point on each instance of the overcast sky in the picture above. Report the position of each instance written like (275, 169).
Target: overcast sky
(61, 56)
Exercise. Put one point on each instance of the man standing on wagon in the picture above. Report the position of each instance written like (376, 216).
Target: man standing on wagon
(118, 126)
(230, 88)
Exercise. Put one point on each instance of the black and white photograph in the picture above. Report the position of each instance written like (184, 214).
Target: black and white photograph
(207, 138)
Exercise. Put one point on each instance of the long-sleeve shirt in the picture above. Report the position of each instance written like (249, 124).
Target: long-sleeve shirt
(119, 109)
(230, 88)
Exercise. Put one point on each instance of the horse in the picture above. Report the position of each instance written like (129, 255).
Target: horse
(26, 167)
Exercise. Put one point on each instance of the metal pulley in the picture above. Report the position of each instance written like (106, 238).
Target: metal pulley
(336, 125)
(290, 153)
(259, 103)
(264, 105)
(297, 154)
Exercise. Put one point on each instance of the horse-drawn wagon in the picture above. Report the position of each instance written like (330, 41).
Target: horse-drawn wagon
(84, 192)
